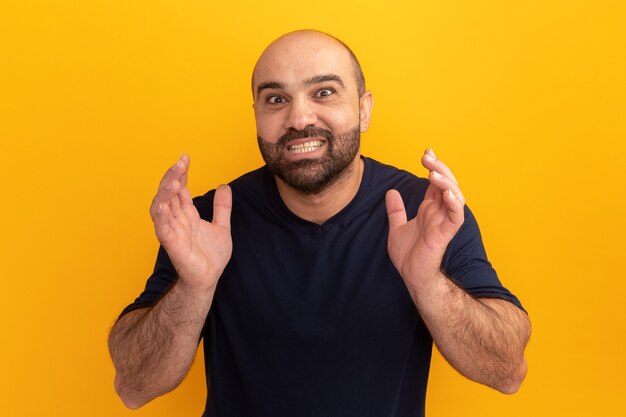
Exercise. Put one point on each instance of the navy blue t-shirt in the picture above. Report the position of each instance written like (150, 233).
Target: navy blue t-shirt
(314, 320)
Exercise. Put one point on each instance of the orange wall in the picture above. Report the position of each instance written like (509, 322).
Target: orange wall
(525, 100)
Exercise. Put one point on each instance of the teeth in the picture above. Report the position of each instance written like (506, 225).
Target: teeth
(306, 147)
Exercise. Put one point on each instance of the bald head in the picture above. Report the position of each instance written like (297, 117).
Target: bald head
(310, 107)
(287, 50)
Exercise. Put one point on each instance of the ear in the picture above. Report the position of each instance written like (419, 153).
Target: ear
(366, 103)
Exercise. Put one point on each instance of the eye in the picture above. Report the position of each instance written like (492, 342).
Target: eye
(325, 92)
(276, 100)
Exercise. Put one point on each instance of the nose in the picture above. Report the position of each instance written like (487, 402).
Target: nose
(301, 114)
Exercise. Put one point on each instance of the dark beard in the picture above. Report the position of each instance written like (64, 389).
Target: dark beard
(311, 176)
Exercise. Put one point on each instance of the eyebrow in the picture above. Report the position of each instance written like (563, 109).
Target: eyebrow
(318, 79)
(268, 84)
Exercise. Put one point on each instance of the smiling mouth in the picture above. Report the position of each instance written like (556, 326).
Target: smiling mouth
(306, 147)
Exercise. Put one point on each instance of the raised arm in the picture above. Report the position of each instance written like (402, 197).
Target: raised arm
(152, 349)
(484, 339)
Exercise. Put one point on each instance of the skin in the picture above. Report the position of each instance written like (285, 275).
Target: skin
(153, 348)
(483, 339)
(296, 105)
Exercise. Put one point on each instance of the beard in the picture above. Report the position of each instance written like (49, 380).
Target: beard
(311, 176)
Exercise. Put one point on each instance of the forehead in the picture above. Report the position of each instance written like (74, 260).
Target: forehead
(297, 57)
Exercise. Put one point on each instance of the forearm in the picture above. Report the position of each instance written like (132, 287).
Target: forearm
(153, 349)
(484, 339)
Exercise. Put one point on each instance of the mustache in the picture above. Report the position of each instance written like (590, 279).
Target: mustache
(309, 132)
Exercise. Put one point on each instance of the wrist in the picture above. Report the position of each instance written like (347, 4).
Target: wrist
(423, 280)
(422, 274)
(436, 294)
(196, 289)
(198, 280)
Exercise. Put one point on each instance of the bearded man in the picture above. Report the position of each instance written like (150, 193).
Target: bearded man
(313, 293)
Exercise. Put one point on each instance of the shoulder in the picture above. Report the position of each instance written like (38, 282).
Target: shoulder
(387, 177)
(247, 186)
(385, 174)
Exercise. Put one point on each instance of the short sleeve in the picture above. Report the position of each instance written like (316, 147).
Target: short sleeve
(164, 274)
(465, 261)
(162, 278)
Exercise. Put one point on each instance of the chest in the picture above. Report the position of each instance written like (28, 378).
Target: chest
(313, 282)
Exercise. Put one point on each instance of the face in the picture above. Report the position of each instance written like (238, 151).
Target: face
(308, 112)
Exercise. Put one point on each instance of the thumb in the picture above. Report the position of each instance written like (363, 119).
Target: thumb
(395, 209)
(222, 205)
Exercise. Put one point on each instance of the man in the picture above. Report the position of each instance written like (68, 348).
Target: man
(315, 296)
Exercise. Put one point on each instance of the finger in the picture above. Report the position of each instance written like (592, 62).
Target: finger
(455, 208)
(432, 191)
(161, 220)
(186, 162)
(174, 204)
(222, 206)
(165, 194)
(160, 200)
(395, 209)
(184, 196)
(458, 194)
(175, 172)
(431, 163)
(170, 183)
(444, 183)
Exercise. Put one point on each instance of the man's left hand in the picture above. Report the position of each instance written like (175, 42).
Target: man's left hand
(416, 247)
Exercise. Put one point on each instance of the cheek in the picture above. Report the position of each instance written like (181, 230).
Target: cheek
(340, 120)
(269, 126)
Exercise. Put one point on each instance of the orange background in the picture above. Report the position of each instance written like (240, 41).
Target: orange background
(524, 100)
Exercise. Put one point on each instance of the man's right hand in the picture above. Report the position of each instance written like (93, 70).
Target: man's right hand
(198, 249)
(153, 348)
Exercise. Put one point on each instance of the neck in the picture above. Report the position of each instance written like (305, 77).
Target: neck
(318, 208)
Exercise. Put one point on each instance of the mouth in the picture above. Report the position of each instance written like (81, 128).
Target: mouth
(305, 147)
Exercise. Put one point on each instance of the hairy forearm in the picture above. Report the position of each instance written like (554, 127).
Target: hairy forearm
(153, 349)
(484, 339)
